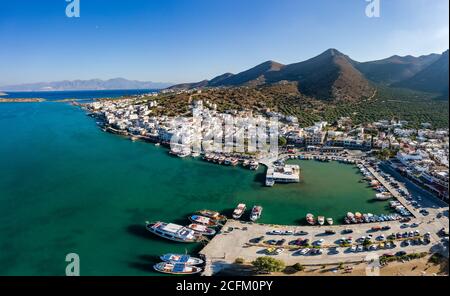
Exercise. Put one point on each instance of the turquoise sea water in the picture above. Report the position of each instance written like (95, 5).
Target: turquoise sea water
(66, 186)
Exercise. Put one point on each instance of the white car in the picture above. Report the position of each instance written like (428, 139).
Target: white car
(275, 232)
(304, 251)
(278, 251)
(360, 248)
(353, 248)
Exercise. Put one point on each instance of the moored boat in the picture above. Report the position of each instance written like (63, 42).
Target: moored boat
(179, 268)
(202, 229)
(203, 220)
(212, 215)
(181, 259)
(310, 219)
(173, 232)
(256, 213)
(321, 220)
(330, 221)
(383, 196)
(239, 211)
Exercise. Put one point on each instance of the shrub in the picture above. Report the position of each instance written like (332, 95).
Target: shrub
(239, 260)
(268, 264)
(298, 267)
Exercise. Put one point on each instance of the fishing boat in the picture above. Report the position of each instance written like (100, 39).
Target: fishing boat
(256, 213)
(173, 232)
(212, 215)
(321, 220)
(201, 229)
(239, 211)
(330, 221)
(181, 259)
(203, 220)
(310, 219)
(179, 268)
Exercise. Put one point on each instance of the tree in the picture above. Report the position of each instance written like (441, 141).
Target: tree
(268, 264)
(282, 141)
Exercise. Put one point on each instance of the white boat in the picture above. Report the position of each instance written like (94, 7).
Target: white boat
(239, 211)
(330, 221)
(183, 259)
(321, 220)
(173, 232)
(179, 268)
(383, 196)
(202, 229)
(256, 213)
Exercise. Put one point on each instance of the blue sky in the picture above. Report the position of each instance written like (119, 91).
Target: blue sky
(190, 40)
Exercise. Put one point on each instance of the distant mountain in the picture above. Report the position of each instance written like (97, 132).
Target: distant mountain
(333, 75)
(254, 76)
(329, 76)
(395, 68)
(93, 84)
(433, 79)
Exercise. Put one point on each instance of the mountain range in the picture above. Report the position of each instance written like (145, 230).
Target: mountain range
(333, 75)
(93, 84)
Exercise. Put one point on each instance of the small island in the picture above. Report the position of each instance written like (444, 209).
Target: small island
(22, 100)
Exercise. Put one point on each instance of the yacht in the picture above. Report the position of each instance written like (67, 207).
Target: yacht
(179, 268)
(239, 211)
(183, 259)
(173, 232)
(256, 213)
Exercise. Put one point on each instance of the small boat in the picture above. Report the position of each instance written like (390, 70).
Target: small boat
(239, 211)
(212, 215)
(203, 220)
(179, 268)
(202, 229)
(383, 196)
(246, 163)
(183, 259)
(234, 161)
(254, 165)
(330, 221)
(310, 219)
(256, 213)
(173, 232)
(158, 144)
(321, 220)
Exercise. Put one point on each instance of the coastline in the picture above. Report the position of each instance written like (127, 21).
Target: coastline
(22, 100)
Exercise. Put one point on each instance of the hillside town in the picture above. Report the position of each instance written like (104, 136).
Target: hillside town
(419, 154)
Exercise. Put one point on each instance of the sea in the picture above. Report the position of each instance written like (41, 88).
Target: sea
(68, 187)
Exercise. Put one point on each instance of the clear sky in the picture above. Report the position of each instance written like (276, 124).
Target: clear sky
(190, 40)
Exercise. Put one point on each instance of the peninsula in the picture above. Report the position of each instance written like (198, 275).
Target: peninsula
(22, 100)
